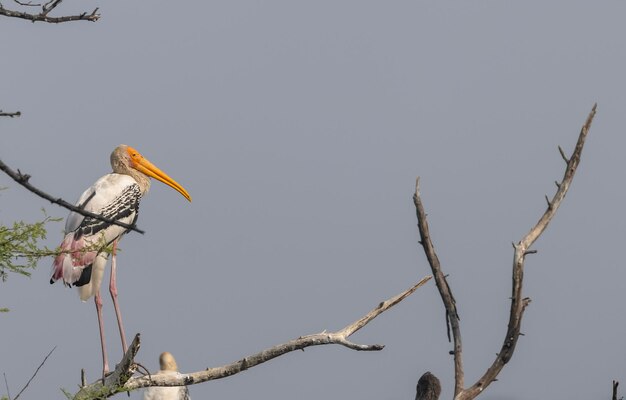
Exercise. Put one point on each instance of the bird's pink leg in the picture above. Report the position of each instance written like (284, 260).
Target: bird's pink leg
(105, 362)
(113, 290)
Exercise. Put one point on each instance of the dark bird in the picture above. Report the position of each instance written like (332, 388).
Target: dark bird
(428, 387)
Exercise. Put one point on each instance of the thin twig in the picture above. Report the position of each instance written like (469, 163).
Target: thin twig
(27, 4)
(9, 114)
(35, 374)
(121, 381)
(22, 179)
(6, 383)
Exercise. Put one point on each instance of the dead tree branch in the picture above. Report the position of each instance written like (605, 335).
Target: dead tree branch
(452, 315)
(518, 302)
(43, 16)
(10, 114)
(22, 179)
(121, 379)
(27, 3)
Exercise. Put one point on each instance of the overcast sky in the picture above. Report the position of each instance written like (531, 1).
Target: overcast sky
(299, 128)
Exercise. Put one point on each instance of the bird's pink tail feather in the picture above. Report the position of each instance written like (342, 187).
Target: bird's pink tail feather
(69, 264)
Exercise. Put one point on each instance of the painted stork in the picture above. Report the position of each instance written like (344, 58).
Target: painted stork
(168, 367)
(88, 241)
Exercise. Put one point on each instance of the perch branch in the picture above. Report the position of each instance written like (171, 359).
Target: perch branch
(121, 381)
(452, 316)
(519, 303)
(45, 10)
(22, 179)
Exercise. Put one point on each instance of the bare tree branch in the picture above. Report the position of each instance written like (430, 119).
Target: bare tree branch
(35, 374)
(6, 384)
(45, 10)
(518, 303)
(10, 114)
(615, 385)
(22, 179)
(121, 381)
(27, 3)
(452, 316)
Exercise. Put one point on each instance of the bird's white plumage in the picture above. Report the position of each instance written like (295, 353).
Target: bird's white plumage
(166, 393)
(98, 197)
(115, 196)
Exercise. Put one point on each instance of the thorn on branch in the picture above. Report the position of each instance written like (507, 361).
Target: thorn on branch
(563, 155)
(527, 252)
(548, 201)
(558, 185)
(22, 178)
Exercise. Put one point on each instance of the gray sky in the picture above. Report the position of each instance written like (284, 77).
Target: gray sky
(299, 129)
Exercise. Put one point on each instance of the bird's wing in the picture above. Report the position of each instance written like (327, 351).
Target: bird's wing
(114, 196)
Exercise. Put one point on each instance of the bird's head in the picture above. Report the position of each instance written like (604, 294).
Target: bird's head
(125, 157)
(167, 362)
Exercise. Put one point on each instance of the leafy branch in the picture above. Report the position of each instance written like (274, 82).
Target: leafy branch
(19, 249)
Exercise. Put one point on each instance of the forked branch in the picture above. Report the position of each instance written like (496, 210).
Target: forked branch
(121, 379)
(518, 302)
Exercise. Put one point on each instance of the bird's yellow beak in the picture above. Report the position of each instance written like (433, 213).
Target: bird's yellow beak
(141, 164)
